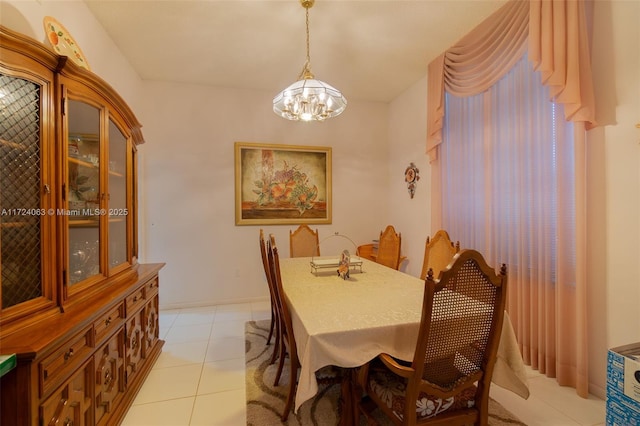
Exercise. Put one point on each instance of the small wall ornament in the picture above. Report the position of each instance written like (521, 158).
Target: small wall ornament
(411, 176)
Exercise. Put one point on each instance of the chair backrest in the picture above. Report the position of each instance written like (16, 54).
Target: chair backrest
(283, 309)
(304, 242)
(366, 251)
(438, 253)
(460, 330)
(389, 248)
(265, 260)
(267, 268)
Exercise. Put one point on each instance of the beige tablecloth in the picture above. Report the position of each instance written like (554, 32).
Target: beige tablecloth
(349, 322)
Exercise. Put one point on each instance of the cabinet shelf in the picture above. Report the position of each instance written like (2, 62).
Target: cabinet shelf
(13, 145)
(82, 163)
(14, 224)
(89, 222)
(83, 223)
(90, 165)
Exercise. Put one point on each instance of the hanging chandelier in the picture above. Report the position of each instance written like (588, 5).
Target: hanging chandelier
(309, 99)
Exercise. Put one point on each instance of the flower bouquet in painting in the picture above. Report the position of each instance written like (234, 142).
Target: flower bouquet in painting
(285, 188)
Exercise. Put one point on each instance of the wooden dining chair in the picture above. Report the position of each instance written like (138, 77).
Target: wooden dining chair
(389, 248)
(449, 378)
(274, 326)
(438, 253)
(367, 251)
(304, 242)
(287, 347)
(287, 338)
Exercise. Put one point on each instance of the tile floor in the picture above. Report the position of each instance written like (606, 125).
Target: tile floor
(199, 377)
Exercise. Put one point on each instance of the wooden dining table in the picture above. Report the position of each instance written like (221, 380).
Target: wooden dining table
(348, 322)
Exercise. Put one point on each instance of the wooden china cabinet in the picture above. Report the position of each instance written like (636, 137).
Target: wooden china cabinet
(78, 310)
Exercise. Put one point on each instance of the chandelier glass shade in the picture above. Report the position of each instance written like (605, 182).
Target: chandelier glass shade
(309, 99)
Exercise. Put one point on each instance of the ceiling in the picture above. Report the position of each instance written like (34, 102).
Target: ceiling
(371, 50)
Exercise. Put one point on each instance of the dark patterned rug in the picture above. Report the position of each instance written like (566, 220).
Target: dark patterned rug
(266, 402)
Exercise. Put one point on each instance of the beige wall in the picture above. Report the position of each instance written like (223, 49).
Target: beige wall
(189, 178)
(614, 184)
(187, 217)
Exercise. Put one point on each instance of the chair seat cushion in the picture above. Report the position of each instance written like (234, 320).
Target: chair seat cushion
(391, 388)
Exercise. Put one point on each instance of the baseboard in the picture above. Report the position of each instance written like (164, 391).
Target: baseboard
(200, 304)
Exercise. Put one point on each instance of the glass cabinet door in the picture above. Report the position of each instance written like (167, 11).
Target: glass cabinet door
(20, 197)
(84, 191)
(118, 211)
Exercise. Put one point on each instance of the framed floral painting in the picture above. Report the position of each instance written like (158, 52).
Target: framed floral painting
(282, 184)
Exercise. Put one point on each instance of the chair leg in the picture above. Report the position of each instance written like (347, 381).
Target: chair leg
(293, 379)
(365, 407)
(280, 362)
(273, 321)
(276, 346)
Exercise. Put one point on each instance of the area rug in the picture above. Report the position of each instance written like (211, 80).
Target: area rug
(265, 402)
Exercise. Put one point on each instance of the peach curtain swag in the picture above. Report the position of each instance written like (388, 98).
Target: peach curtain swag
(558, 46)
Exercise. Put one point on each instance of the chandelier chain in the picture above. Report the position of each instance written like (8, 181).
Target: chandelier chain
(306, 72)
(308, 37)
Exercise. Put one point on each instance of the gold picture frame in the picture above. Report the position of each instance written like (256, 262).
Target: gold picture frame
(282, 184)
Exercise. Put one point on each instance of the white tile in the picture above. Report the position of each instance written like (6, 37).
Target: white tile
(204, 308)
(166, 319)
(533, 411)
(220, 376)
(226, 348)
(188, 333)
(260, 316)
(220, 409)
(261, 310)
(585, 411)
(175, 354)
(234, 307)
(170, 383)
(234, 315)
(261, 304)
(194, 317)
(223, 329)
(166, 413)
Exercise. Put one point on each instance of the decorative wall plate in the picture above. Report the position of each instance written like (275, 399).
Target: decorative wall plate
(411, 176)
(62, 42)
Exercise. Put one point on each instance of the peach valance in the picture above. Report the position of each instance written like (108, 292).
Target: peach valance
(556, 31)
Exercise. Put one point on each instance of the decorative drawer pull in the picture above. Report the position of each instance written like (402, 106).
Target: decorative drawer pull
(108, 378)
(135, 298)
(134, 343)
(68, 422)
(68, 354)
(107, 321)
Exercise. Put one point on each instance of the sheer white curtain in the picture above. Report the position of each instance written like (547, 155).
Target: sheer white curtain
(508, 190)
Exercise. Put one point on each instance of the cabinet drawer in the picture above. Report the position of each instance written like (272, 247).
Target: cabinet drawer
(108, 322)
(54, 368)
(151, 288)
(135, 301)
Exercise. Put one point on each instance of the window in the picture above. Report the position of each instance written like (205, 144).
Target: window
(508, 177)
